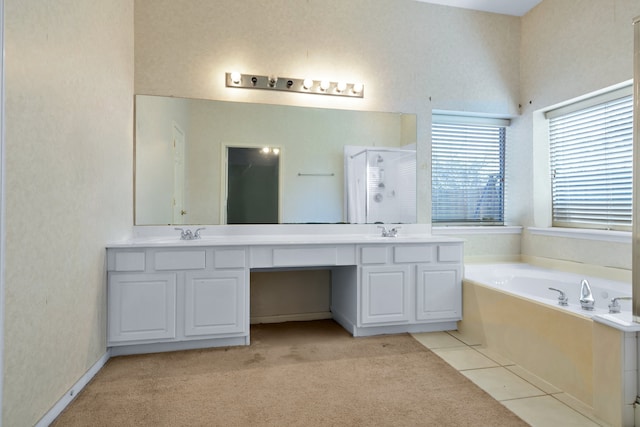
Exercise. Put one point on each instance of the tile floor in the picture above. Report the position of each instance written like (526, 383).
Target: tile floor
(535, 401)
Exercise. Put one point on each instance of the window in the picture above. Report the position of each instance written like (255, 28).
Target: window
(467, 158)
(591, 158)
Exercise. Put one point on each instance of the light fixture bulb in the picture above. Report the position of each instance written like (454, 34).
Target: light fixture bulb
(265, 150)
(357, 87)
(341, 86)
(236, 77)
(307, 83)
(324, 85)
(276, 151)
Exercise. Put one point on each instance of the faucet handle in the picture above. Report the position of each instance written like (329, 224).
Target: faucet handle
(614, 307)
(563, 299)
(185, 234)
(385, 233)
(196, 235)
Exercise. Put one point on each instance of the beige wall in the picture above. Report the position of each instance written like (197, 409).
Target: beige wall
(273, 298)
(69, 124)
(577, 250)
(569, 48)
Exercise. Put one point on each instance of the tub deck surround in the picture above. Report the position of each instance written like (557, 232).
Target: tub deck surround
(592, 356)
(534, 283)
(169, 294)
(621, 321)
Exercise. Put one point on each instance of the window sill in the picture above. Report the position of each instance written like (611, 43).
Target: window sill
(583, 233)
(455, 230)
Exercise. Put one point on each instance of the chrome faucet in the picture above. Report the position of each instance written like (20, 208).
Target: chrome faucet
(393, 232)
(614, 307)
(586, 297)
(187, 234)
(563, 299)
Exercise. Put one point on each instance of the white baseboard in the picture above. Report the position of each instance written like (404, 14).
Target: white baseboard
(160, 347)
(280, 318)
(71, 394)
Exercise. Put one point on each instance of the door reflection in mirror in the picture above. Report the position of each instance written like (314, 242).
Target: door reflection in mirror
(252, 185)
(179, 209)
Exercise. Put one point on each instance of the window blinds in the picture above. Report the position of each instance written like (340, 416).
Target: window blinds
(467, 172)
(591, 165)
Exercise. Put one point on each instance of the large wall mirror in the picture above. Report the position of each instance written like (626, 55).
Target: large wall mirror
(182, 162)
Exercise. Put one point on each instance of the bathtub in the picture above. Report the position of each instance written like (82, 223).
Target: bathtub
(509, 309)
(530, 282)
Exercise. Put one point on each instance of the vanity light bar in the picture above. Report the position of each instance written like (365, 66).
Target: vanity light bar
(288, 84)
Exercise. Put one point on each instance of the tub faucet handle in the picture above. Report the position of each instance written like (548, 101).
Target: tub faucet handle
(614, 307)
(563, 299)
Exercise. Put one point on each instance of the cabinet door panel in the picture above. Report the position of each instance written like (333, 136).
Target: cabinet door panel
(385, 294)
(214, 303)
(438, 294)
(141, 307)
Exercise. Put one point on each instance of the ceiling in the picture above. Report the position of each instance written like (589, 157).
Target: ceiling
(506, 7)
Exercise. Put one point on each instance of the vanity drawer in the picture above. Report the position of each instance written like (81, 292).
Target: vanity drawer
(449, 253)
(302, 256)
(180, 260)
(374, 255)
(297, 257)
(127, 261)
(229, 258)
(413, 253)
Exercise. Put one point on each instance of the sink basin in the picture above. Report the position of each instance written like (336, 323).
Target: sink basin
(399, 237)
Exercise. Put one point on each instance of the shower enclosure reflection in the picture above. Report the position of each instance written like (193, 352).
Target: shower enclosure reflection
(380, 185)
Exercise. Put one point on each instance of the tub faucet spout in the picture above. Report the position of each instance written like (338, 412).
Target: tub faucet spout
(586, 297)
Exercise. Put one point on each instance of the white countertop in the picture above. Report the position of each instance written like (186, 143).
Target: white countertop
(280, 234)
(279, 239)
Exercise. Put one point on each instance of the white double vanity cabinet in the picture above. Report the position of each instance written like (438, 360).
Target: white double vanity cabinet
(170, 294)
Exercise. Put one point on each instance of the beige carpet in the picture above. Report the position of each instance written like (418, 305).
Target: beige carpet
(293, 374)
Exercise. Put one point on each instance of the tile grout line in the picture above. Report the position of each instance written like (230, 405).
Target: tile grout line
(590, 417)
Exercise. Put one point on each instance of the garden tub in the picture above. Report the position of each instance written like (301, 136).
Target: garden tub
(510, 309)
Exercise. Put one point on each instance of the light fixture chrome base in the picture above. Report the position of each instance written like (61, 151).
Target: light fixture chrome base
(288, 84)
